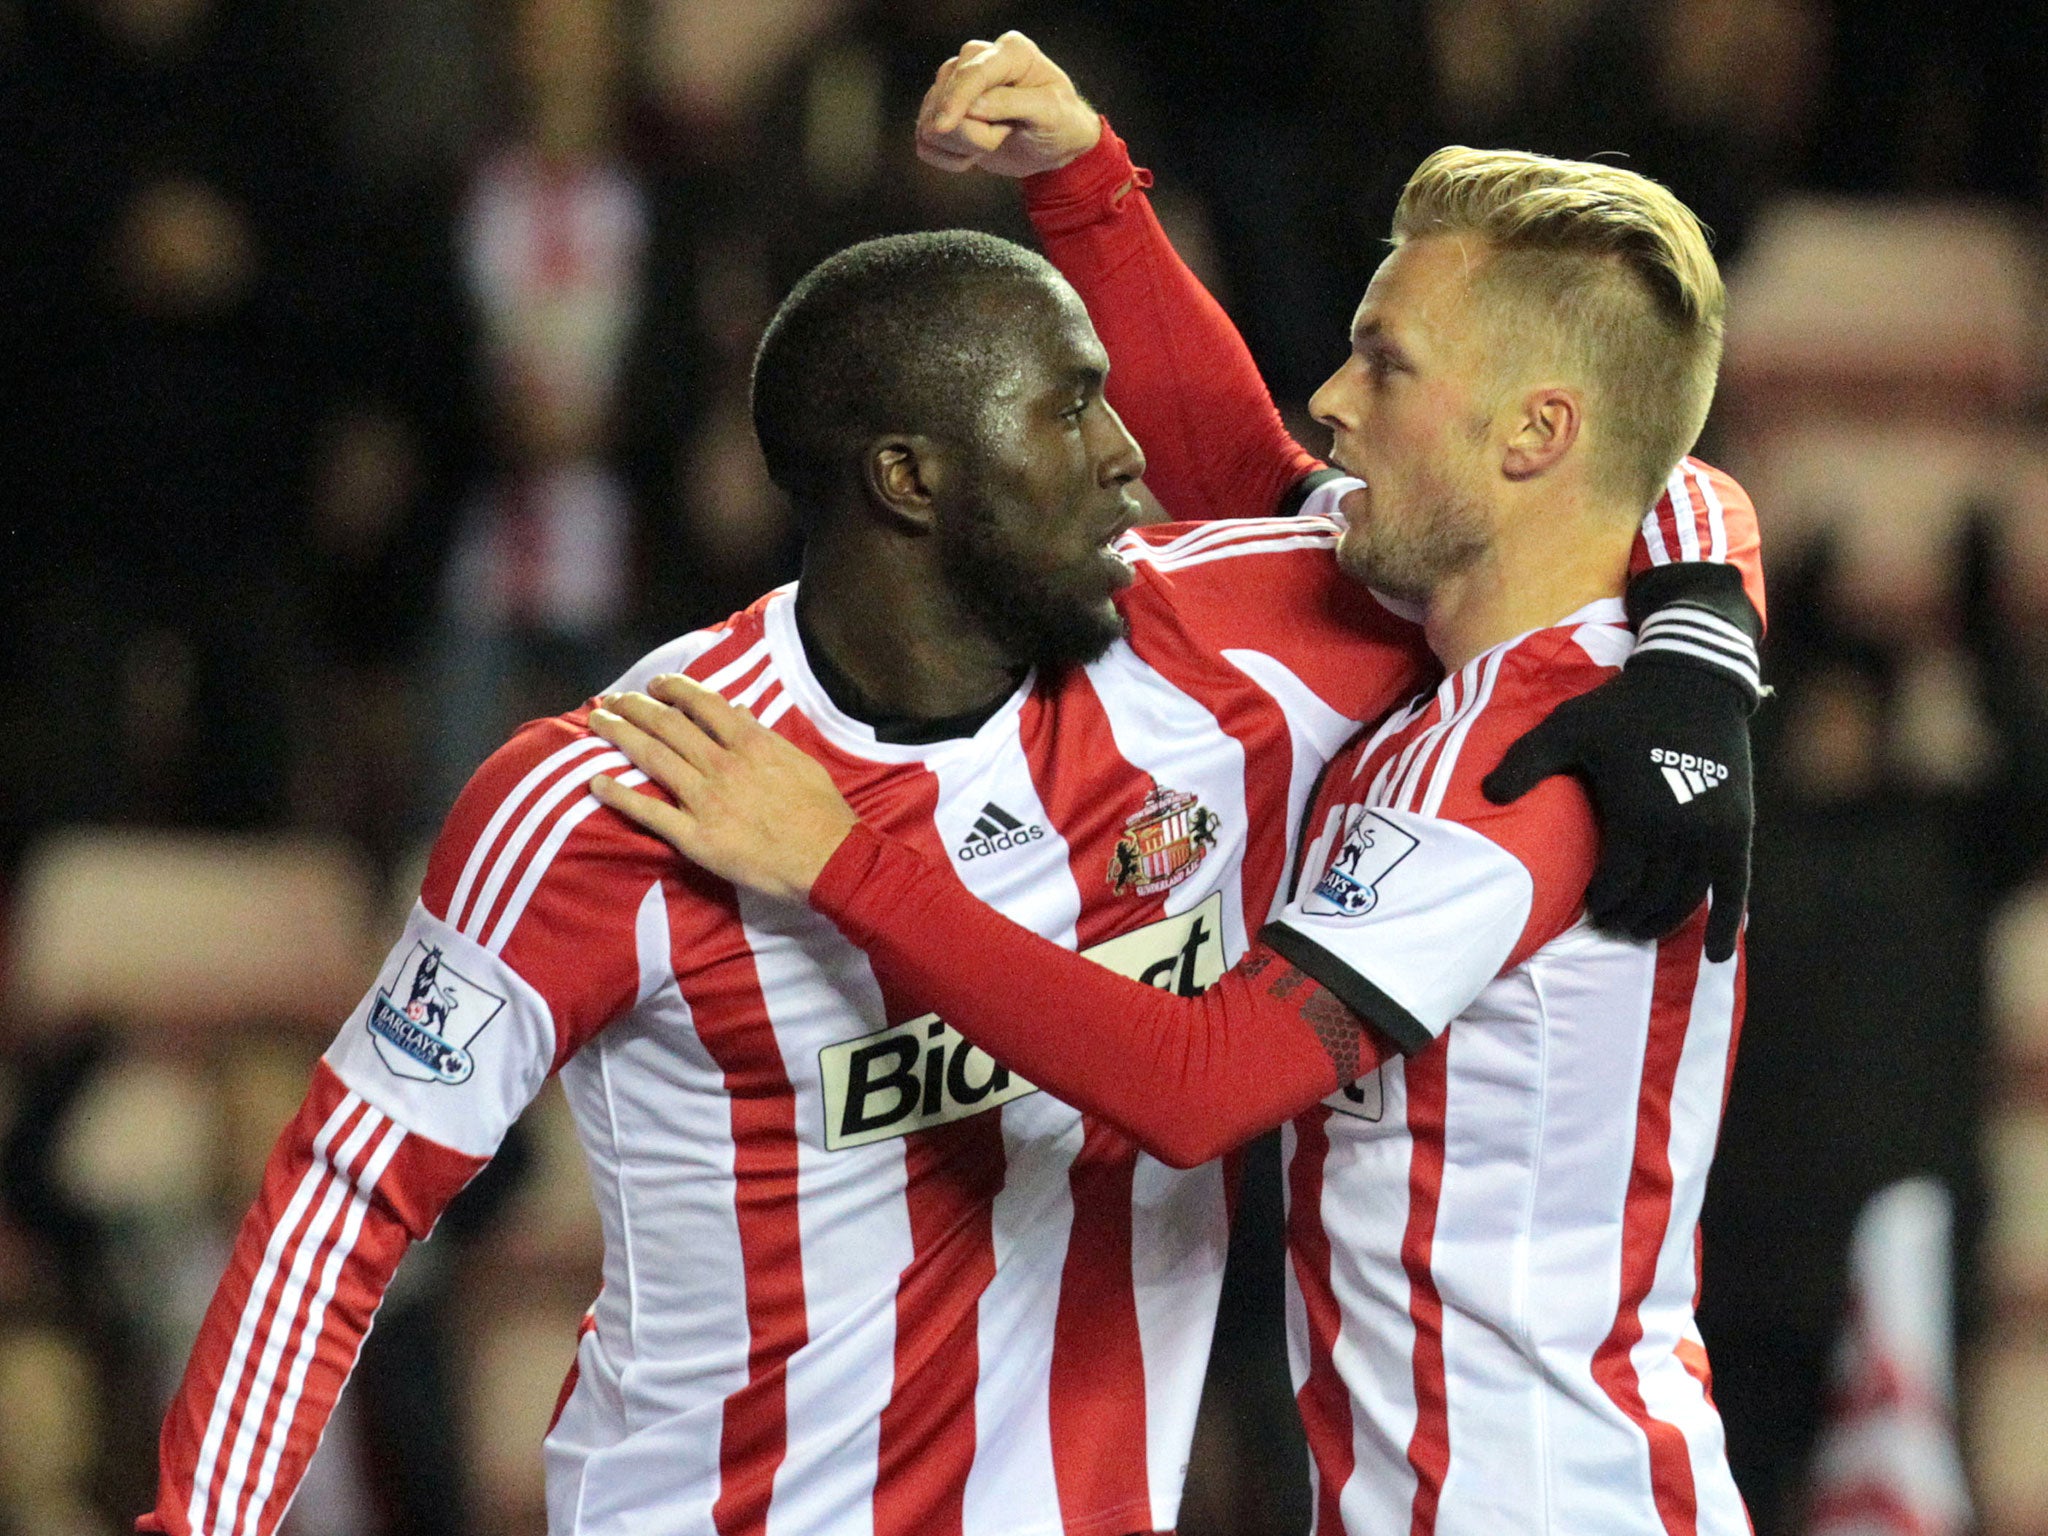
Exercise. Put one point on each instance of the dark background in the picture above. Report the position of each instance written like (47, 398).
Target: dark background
(375, 379)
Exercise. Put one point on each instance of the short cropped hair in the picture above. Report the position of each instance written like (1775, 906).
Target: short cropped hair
(1619, 269)
(891, 335)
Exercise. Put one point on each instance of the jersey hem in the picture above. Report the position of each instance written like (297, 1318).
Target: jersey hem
(1118, 1520)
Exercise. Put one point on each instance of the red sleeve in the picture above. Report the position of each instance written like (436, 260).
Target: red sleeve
(1552, 830)
(1187, 1078)
(1181, 378)
(1703, 515)
(532, 868)
(346, 1190)
(1424, 890)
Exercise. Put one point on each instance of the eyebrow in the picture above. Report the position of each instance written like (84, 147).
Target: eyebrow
(1375, 332)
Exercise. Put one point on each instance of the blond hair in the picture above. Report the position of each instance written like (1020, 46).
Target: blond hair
(1616, 272)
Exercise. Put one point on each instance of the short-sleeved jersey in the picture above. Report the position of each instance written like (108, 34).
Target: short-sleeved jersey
(1493, 1236)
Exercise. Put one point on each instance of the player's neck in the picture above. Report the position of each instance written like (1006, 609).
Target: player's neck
(884, 626)
(1541, 570)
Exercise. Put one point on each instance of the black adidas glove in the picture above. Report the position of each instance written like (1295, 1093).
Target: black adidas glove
(1664, 750)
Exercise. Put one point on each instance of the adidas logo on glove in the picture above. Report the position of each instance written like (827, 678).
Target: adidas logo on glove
(1688, 774)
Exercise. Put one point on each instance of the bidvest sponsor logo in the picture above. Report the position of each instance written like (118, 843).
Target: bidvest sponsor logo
(923, 1072)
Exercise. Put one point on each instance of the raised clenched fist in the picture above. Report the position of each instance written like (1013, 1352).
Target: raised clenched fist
(1004, 107)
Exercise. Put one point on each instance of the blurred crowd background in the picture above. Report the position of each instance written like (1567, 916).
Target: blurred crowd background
(375, 378)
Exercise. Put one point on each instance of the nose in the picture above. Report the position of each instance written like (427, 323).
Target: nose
(1120, 459)
(1329, 404)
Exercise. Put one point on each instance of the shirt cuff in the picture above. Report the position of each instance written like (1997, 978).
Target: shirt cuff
(1351, 989)
(1688, 633)
(837, 891)
(1086, 188)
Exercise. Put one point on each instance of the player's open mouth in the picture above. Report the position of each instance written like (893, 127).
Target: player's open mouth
(1118, 568)
(1121, 573)
(1338, 463)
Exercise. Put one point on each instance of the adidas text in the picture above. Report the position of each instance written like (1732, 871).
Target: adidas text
(981, 847)
(1688, 774)
(994, 830)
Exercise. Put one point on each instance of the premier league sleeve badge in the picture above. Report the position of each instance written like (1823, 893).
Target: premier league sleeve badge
(424, 1023)
(1371, 848)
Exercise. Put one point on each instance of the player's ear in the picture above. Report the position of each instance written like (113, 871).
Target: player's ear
(903, 474)
(1547, 424)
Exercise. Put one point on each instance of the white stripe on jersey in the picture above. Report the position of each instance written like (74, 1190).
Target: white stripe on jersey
(506, 808)
(1362, 1186)
(1454, 743)
(1030, 1221)
(752, 657)
(1297, 540)
(1717, 517)
(570, 783)
(855, 1225)
(748, 696)
(664, 1314)
(1033, 1213)
(1685, 514)
(1653, 522)
(651, 946)
(1670, 1391)
(316, 1318)
(1177, 740)
(676, 656)
(326, 1183)
(1607, 645)
(1459, 701)
(1228, 531)
(1180, 1235)
(558, 834)
(197, 1513)
(1319, 733)
(1382, 780)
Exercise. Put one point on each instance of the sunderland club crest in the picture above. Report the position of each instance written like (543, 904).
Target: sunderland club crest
(427, 1036)
(1163, 843)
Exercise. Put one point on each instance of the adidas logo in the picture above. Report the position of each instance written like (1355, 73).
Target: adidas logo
(1689, 776)
(994, 830)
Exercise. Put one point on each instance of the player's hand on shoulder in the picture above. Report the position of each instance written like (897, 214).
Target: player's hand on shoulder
(1004, 107)
(750, 806)
(1664, 751)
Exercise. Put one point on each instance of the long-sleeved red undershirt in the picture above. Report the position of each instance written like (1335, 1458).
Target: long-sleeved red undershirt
(1187, 1078)
(1184, 381)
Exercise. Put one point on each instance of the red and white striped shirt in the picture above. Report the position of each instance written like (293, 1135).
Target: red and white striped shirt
(857, 1276)
(1493, 1237)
